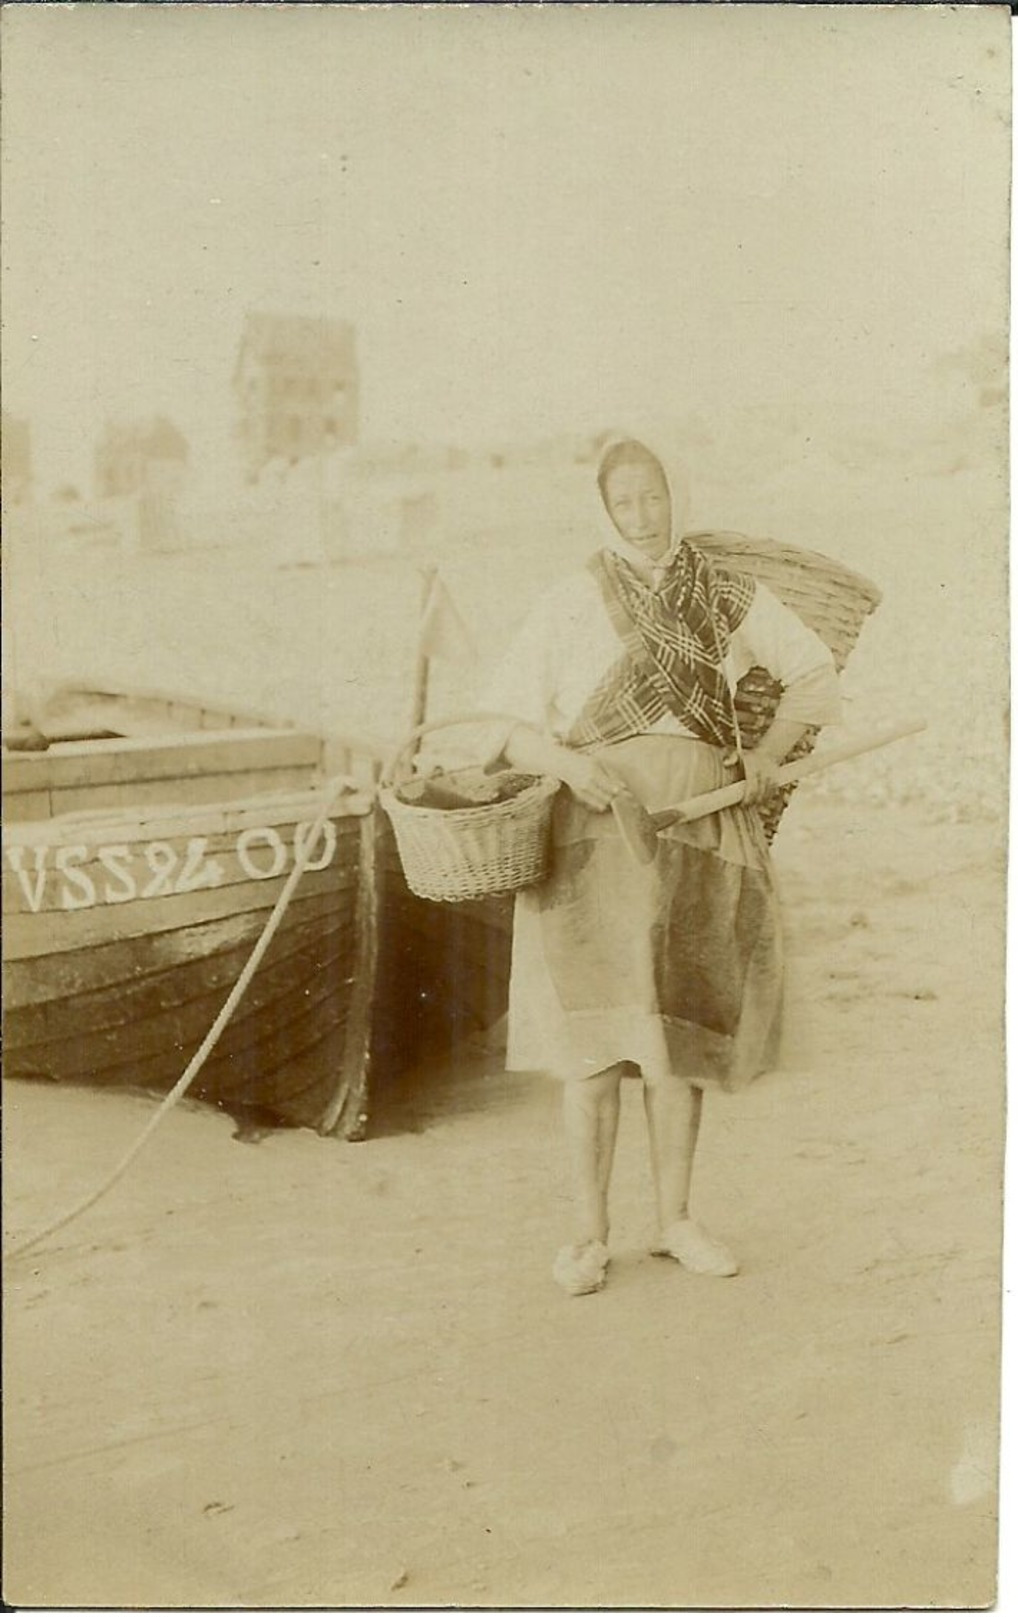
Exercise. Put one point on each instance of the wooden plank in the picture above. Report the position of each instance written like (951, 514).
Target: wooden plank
(297, 1088)
(278, 996)
(202, 789)
(177, 757)
(29, 936)
(18, 806)
(291, 1022)
(115, 965)
(114, 872)
(112, 1000)
(92, 716)
(297, 949)
(243, 1067)
(287, 807)
(130, 709)
(269, 1048)
(218, 831)
(174, 1039)
(294, 1082)
(241, 1061)
(299, 1092)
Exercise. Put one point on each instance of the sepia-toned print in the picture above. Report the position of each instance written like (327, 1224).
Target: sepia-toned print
(504, 725)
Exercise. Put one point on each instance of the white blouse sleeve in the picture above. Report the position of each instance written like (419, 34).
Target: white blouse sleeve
(772, 636)
(522, 686)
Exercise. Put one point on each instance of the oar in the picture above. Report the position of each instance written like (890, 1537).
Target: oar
(639, 828)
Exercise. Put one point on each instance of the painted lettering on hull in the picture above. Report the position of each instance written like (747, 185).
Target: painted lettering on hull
(81, 876)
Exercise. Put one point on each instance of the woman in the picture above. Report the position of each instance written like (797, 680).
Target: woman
(622, 682)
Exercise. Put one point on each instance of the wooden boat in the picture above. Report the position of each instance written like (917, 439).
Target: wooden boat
(143, 853)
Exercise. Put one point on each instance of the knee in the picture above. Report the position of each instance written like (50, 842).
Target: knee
(667, 1084)
(607, 1082)
(586, 1094)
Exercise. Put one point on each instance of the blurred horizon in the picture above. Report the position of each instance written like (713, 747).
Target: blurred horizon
(539, 221)
(772, 238)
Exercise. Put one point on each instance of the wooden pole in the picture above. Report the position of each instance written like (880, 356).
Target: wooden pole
(422, 666)
(727, 796)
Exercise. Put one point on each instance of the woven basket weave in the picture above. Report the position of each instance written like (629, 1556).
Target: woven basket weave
(829, 598)
(455, 854)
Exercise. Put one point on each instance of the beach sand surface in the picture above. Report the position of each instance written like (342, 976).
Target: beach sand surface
(305, 1372)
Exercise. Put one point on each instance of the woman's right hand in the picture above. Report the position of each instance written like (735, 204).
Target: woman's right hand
(590, 781)
(528, 750)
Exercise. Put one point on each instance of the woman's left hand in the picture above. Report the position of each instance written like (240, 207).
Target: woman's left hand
(761, 775)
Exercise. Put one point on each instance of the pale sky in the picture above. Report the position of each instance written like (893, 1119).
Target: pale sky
(540, 219)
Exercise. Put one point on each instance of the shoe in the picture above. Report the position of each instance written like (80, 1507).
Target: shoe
(695, 1249)
(581, 1269)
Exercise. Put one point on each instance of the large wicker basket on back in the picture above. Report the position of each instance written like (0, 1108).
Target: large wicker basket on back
(830, 599)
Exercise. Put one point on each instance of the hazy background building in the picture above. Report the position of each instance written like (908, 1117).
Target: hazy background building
(140, 457)
(295, 387)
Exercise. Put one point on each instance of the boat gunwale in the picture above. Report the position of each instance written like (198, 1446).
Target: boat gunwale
(179, 818)
(224, 720)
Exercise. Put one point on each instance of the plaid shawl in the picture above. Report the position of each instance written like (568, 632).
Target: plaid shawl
(674, 641)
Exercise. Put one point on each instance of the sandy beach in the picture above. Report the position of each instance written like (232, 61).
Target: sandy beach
(310, 1373)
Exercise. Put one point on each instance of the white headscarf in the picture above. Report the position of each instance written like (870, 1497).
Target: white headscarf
(677, 484)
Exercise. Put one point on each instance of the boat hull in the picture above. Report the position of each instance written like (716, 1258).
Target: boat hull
(126, 931)
(443, 968)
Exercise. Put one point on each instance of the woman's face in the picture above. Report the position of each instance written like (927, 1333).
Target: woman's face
(637, 499)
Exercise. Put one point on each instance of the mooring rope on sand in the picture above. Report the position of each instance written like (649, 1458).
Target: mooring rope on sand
(334, 789)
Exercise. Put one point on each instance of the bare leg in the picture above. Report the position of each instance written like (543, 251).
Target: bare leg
(590, 1108)
(673, 1122)
(674, 1109)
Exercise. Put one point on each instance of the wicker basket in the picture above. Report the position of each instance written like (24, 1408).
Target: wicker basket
(454, 854)
(830, 599)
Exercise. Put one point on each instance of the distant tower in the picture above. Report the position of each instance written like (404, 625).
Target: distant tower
(16, 468)
(295, 384)
(140, 457)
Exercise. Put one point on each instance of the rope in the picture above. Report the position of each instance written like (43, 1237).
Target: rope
(333, 790)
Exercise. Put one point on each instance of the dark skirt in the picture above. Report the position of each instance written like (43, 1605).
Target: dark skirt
(674, 966)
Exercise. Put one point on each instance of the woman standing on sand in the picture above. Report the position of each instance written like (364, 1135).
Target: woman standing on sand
(622, 679)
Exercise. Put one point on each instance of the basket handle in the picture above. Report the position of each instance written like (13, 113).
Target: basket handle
(390, 770)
